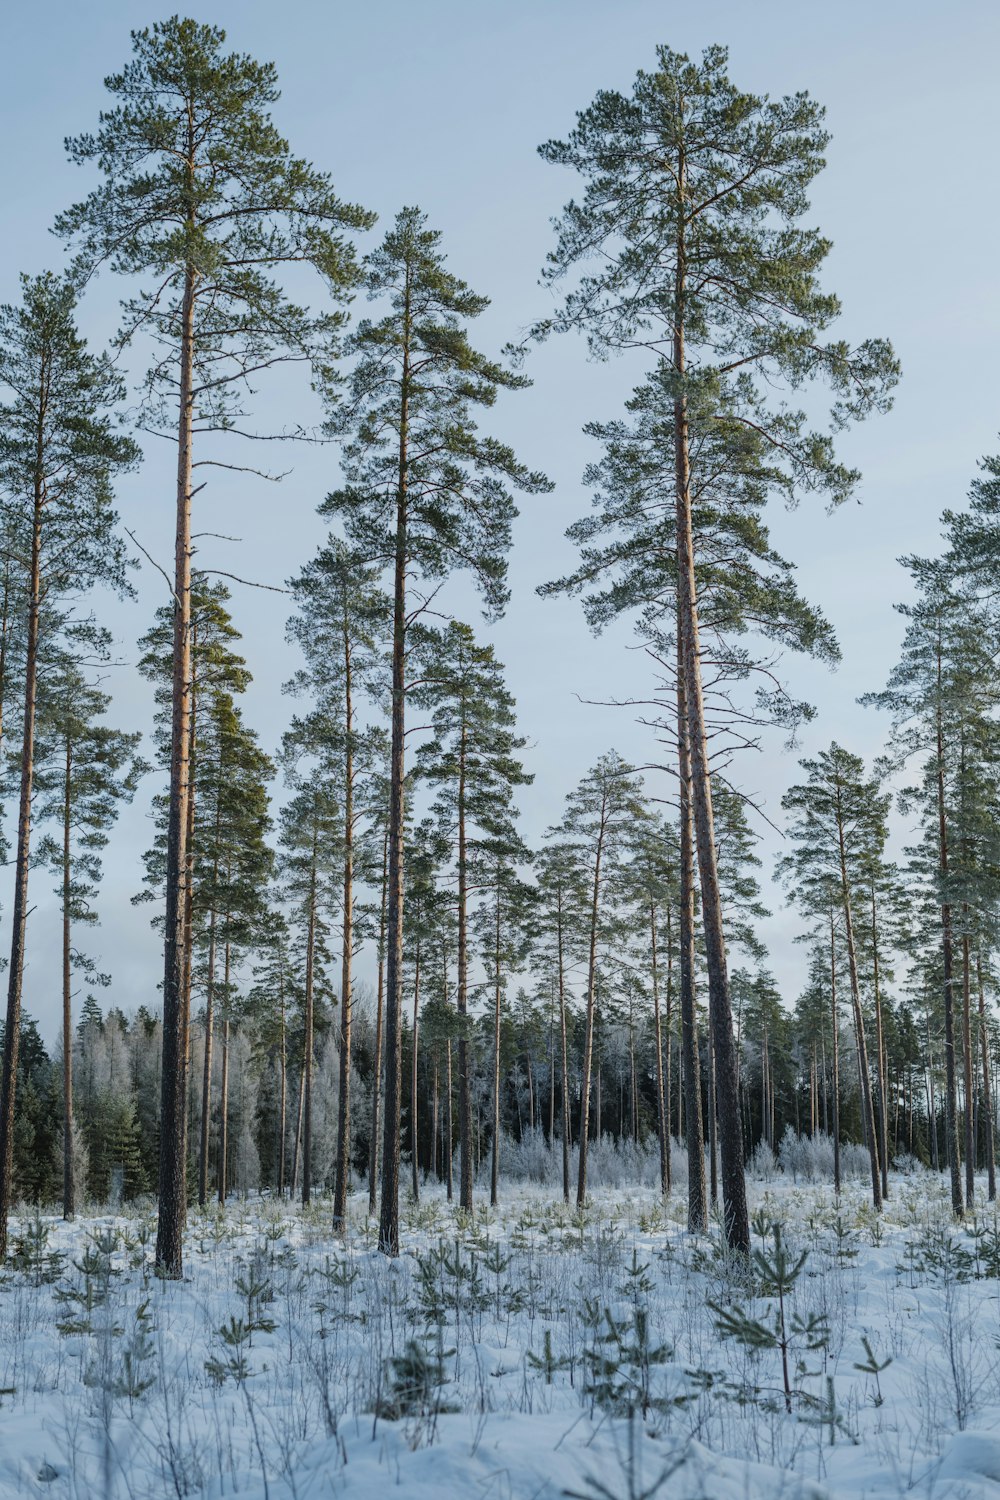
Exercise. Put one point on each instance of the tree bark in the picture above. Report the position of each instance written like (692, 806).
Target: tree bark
(871, 1139)
(379, 1009)
(388, 1237)
(12, 1033)
(588, 1045)
(173, 1090)
(462, 997)
(987, 1092)
(697, 1193)
(69, 1185)
(346, 979)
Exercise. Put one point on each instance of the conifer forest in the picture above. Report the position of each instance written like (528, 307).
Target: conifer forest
(570, 1074)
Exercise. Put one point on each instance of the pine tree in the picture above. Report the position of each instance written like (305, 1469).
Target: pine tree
(425, 493)
(560, 946)
(59, 451)
(472, 760)
(202, 199)
(839, 829)
(598, 814)
(341, 628)
(310, 866)
(692, 193)
(85, 770)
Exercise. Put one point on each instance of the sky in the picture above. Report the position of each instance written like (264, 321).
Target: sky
(442, 104)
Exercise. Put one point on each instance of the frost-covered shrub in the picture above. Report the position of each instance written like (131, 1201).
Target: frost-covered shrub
(809, 1158)
(763, 1164)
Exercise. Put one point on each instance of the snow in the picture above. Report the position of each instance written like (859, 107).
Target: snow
(141, 1395)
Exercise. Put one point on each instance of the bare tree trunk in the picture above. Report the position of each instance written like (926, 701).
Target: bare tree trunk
(871, 1139)
(464, 1073)
(173, 1093)
(206, 1072)
(967, 1059)
(297, 1143)
(951, 1102)
(836, 1057)
(12, 1033)
(69, 1185)
(661, 1112)
(566, 1127)
(449, 1126)
(282, 1097)
(697, 1192)
(377, 1060)
(495, 1157)
(987, 1093)
(720, 1010)
(388, 1235)
(343, 1170)
(414, 1078)
(883, 1089)
(224, 1087)
(307, 1054)
(588, 1045)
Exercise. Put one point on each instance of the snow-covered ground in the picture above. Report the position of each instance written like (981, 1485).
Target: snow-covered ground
(530, 1352)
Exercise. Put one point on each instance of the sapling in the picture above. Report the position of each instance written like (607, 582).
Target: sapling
(872, 1365)
(778, 1272)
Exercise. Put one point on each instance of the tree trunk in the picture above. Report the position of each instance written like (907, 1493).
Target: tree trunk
(588, 1045)
(206, 1072)
(69, 1186)
(987, 1093)
(282, 1096)
(661, 1112)
(173, 1090)
(464, 1074)
(951, 1102)
(836, 1058)
(307, 1054)
(377, 1060)
(967, 1060)
(871, 1139)
(697, 1193)
(883, 1089)
(495, 1157)
(343, 1171)
(414, 1079)
(224, 1087)
(12, 1033)
(720, 1010)
(388, 1235)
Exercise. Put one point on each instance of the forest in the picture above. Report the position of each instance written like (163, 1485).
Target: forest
(382, 1010)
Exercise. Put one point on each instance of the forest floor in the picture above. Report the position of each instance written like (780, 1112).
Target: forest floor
(527, 1351)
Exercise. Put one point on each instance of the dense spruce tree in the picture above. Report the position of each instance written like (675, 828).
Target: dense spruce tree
(202, 201)
(599, 812)
(692, 194)
(85, 771)
(340, 626)
(838, 827)
(471, 758)
(59, 452)
(425, 493)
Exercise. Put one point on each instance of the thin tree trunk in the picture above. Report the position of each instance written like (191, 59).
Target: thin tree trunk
(388, 1235)
(344, 1100)
(224, 1087)
(871, 1139)
(12, 1033)
(588, 1045)
(206, 1072)
(414, 1076)
(377, 1060)
(495, 1156)
(720, 1010)
(883, 1091)
(464, 1074)
(836, 1057)
(697, 1192)
(951, 1102)
(661, 1113)
(173, 1093)
(69, 1185)
(282, 1095)
(967, 1059)
(307, 1055)
(449, 1126)
(987, 1093)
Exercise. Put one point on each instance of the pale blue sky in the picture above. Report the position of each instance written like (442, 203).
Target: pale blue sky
(442, 104)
